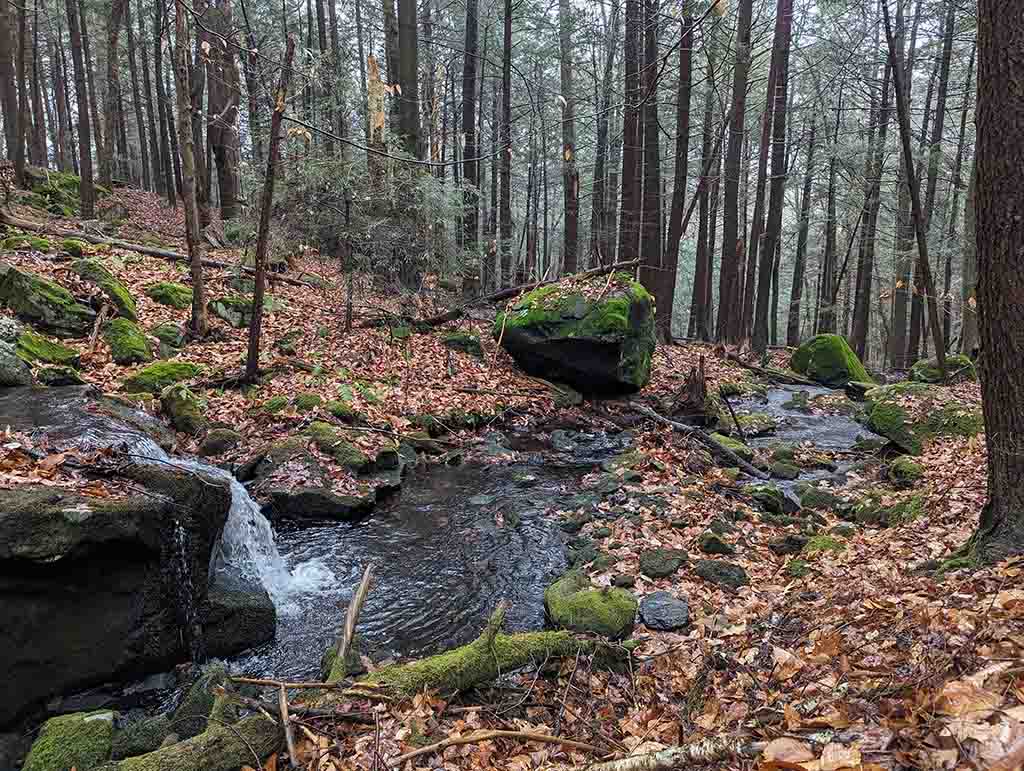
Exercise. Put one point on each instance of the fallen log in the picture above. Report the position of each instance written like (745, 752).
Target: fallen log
(152, 251)
(703, 752)
(774, 374)
(703, 437)
(459, 311)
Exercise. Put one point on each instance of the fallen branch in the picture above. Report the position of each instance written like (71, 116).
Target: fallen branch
(289, 735)
(703, 437)
(484, 736)
(735, 420)
(703, 752)
(100, 318)
(152, 251)
(351, 617)
(774, 374)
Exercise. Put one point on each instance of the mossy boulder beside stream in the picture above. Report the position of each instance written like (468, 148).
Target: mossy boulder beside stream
(887, 413)
(597, 337)
(35, 348)
(573, 603)
(43, 303)
(80, 741)
(958, 366)
(157, 376)
(829, 360)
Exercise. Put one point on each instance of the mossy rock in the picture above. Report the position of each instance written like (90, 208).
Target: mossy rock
(157, 376)
(823, 543)
(95, 272)
(43, 303)
(958, 365)
(35, 348)
(573, 603)
(128, 343)
(14, 371)
(191, 717)
(80, 741)
(735, 445)
(885, 415)
(782, 470)
(769, 497)
(712, 543)
(871, 511)
(599, 347)
(952, 420)
(56, 375)
(237, 310)
(465, 342)
(329, 441)
(857, 390)
(734, 388)
(722, 573)
(819, 498)
(172, 338)
(796, 568)
(26, 243)
(307, 402)
(75, 247)
(661, 563)
(904, 470)
(830, 360)
(170, 293)
(754, 424)
(783, 453)
(343, 410)
(141, 737)
(275, 404)
(219, 441)
(183, 408)
(57, 192)
(800, 401)
(891, 420)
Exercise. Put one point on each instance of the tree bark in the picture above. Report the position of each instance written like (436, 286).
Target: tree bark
(63, 146)
(505, 244)
(86, 192)
(112, 104)
(730, 281)
(39, 150)
(197, 323)
(408, 65)
(800, 262)
(629, 219)
(826, 287)
(24, 116)
(8, 87)
(599, 197)
(773, 227)
(147, 180)
(652, 272)
(471, 191)
(700, 303)
(570, 172)
(90, 78)
(675, 220)
(252, 361)
(969, 339)
(162, 107)
(1000, 234)
(222, 116)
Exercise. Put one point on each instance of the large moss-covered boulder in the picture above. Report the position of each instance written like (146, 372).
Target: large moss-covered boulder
(95, 272)
(54, 376)
(234, 619)
(190, 717)
(170, 293)
(183, 408)
(157, 376)
(127, 341)
(573, 603)
(735, 446)
(599, 342)
(237, 310)
(43, 303)
(141, 737)
(830, 360)
(329, 441)
(79, 741)
(35, 348)
(958, 367)
(888, 413)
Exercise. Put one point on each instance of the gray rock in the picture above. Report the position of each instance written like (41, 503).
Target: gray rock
(13, 370)
(663, 612)
(219, 441)
(722, 573)
(234, 620)
(661, 563)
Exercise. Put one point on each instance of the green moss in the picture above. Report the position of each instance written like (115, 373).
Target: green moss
(959, 562)
(925, 371)
(154, 378)
(953, 420)
(796, 568)
(128, 344)
(307, 402)
(904, 470)
(768, 497)
(661, 563)
(33, 347)
(275, 404)
(572, 603)
(871, 511)
(58, 376)
(736, 446)
(95, 272)
(170, 293)
(892, 421)
(183, 408)
(814, 497)
(43, 303)
(465, 342)
(782, 470)
(829, 360)
(344, 410)
(734, 388)
(712, 543)
(33, 243)
(237, 310)
(330, 442)
(823, 543)
(74, 247)
(141, 737)
(79, 741)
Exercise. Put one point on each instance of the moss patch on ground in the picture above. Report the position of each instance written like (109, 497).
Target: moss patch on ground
(170, 293)
(79, 741)
(573, 603)
(329, 441)
(157, 376)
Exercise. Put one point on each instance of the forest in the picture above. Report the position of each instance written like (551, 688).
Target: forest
(616, 385)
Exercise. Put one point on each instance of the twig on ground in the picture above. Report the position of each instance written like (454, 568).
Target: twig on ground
(354, 606)
(289, 733)
(484, 736)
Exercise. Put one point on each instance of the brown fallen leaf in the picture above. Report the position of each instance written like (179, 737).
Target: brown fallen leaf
(787, 750)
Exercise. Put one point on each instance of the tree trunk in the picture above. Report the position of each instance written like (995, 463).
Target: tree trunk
(39, 150)
(391, 52)
(197, 77)
(172, 130)
(729, 292)
(197, 323)
(24, 116)
(675, 220)
(8, 87)
(951, 234)
(506, 149)
(156, 163)
(599, 197)
(86, 191)
(800, 262)
(252, 361)
(629, 219)
(163, 110)
(63, 148)
(90, 78)
(1000, 233)
(969, 272)
(362, 62)
(570, 173)
(133, 69)
(902, 110)
(652, 272)
(222, 116)
(700, 315)
(409, 99)
(773, 227)
(471, 190)
(826, 285)
(110, 110)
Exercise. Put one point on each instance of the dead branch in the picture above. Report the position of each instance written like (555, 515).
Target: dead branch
(704, 752)
(351, 617)
(773, 374)
(100, 318)
(735, 420)
(289, 734)
(484, 736)
(703, 437)
(152, 251)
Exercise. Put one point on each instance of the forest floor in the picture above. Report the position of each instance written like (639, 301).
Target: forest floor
(845, 655)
